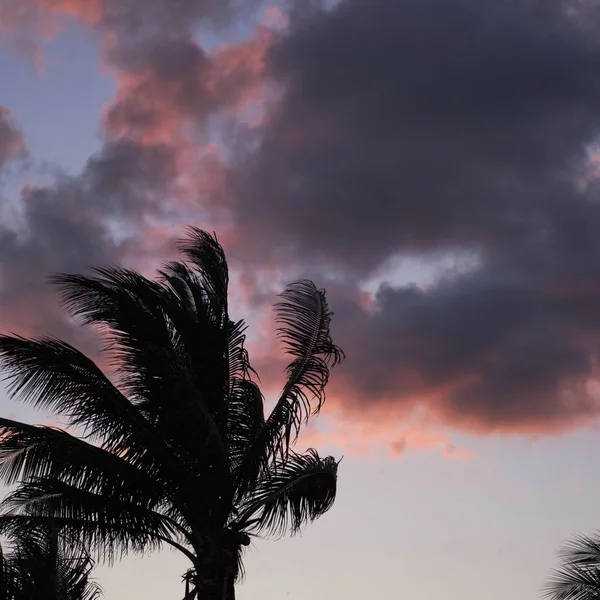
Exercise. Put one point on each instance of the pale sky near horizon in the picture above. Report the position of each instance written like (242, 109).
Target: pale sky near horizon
(470, 501)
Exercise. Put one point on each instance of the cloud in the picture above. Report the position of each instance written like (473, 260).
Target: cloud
(418, 125)
(152, 158)
(28, 24)
(75, 223)
(12, 144)
(482, 351)
(379, 440)
(424, 128)
(379, 130)
(415, 439)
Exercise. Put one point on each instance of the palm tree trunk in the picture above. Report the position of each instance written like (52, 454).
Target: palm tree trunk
(213, 584)
(214, 591)
(215, 571)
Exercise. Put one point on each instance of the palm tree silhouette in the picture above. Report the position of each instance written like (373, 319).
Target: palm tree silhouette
(41, 566)
(177, 450)
(578, 578)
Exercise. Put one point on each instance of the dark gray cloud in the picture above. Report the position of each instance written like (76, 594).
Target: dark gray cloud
(511, 343)
(424, 126)
(421, 124)
(126, 179)
(76, 223)
(483, 350)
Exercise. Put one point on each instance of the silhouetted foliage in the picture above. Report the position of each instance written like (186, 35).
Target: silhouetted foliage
(178, 449)
(41, 566)
(578, 577)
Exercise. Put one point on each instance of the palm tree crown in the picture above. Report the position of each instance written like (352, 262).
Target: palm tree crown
(175, 448)
(578, 578)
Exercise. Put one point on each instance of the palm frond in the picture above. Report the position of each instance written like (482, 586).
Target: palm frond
(298, 490)
(206, 254)
(578, 578)
(245, 402)
(304, 321)
(52, 374)
(156, 344)
(239, 361)
(130, 309)
(203, 341)
(304, 328)
(246, 419)
(108, 527)
(153, 370)
(200, 317)
(32, 452)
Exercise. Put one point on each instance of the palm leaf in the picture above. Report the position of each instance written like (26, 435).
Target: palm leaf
(53, 375)
(31, 452)
(245, 402)
(109, 527)
(206, 254)
(157, 346)
(298, 490)
(201, 319)
(579, 576)
(304, 319)
(204, 344)
(246, 419)
(159, 431)
(130, 308)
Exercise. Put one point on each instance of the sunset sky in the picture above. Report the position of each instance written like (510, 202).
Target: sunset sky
(432, 164)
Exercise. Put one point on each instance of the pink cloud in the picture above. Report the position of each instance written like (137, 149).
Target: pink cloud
(380, 439)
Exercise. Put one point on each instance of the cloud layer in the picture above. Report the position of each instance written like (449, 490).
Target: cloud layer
(346, 137)
(153, 154)
(421, 127)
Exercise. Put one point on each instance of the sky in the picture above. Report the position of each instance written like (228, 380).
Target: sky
(432, 164)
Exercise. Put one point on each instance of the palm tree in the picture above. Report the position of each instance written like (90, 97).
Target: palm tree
(175, 448)
(40, 566)
(579, 576)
